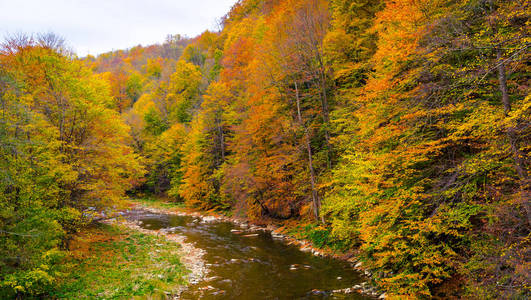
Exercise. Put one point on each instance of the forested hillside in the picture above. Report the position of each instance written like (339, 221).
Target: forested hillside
(395, 129)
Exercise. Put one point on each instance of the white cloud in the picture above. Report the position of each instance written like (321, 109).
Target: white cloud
(98, 26)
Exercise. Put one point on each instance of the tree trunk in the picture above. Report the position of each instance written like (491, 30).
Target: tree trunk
(221, 141)
(518, 156)
(326, 116)
(502, 80)
(315, 197)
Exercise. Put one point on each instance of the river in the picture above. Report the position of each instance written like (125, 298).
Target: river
(245, 264)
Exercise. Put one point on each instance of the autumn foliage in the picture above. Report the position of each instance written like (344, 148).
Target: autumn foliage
(399, 128)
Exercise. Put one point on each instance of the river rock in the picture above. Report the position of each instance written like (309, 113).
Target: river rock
(383, 296)
(213, 278)
(219, 292)
(254, 228)
(169, 230)
(305, 249)
(317, 292)
(347, 290)
(251, 235)
(209, 219)
(277, 236)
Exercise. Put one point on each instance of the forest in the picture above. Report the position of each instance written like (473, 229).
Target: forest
(397, 130)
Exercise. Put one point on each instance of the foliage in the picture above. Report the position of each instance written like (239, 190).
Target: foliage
(406, 135)
(399, 128)
(63, 150)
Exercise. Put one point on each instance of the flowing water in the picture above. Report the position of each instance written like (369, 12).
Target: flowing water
(255, 266)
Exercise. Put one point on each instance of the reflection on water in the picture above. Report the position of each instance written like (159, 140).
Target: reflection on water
(253, 265)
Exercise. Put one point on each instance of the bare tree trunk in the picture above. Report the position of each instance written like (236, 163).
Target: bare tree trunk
(518, 156)
(326, 116)
(221, 140)
(502, 80)
(315, 197)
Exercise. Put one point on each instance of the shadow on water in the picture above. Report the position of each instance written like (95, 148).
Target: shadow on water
(255, 266)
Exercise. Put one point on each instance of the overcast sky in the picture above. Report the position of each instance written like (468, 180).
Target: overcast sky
(96, 26)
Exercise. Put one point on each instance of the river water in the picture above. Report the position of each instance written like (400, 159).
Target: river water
(253, 265)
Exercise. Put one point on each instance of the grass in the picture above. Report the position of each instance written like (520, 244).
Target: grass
(111, 262)
(156, 202)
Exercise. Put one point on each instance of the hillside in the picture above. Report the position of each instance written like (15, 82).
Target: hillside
(395, 130)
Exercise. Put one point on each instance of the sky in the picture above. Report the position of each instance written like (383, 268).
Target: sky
(97, 26)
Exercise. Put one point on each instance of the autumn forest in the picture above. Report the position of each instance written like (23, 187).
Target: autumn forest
(393, 131)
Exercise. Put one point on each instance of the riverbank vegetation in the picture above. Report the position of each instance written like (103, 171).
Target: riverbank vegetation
(400, 129)
(113, 262)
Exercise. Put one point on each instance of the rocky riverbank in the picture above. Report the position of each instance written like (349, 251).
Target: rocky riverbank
(190, 256)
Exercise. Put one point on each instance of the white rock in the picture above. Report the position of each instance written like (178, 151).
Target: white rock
(209, 219)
